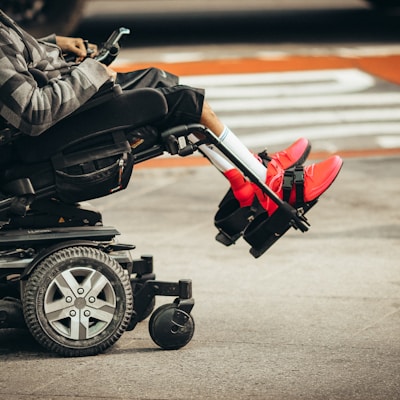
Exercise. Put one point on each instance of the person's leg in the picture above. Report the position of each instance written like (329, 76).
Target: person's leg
(295, 154)
(317, 177)
(146, 78)
(187, 105)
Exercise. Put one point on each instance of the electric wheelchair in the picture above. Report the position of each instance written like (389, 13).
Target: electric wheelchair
(63, 274)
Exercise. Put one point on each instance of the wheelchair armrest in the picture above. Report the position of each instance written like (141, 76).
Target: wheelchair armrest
(108, 88)
(104, 94)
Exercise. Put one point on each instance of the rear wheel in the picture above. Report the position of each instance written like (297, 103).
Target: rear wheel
(78, 302)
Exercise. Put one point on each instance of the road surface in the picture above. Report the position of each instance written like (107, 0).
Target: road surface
(318, 315)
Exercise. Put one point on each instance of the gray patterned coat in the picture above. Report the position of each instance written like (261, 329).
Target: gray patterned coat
(33, 105)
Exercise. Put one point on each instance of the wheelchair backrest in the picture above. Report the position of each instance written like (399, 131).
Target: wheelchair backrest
(90, 153)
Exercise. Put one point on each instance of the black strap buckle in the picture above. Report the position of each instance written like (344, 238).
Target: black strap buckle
(287, 185)
(265, 158)
(299, 185)
(294, 176)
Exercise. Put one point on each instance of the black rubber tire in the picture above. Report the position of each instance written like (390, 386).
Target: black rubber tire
(78, 302)
(167, 335)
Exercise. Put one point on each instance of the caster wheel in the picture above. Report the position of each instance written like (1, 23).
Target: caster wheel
(167, 334)
(78, 302)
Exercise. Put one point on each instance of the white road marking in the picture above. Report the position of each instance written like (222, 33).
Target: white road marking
(334, 116)
(303, 102)
(389, 142)
(346, 79)
(275, 137)
(277, 108)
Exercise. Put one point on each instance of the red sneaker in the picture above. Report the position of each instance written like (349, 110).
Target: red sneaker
(295, 154)
(316, 179)
(300, 186)
(319, 177)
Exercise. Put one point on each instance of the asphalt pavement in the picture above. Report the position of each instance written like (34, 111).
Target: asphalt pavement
(316, 317)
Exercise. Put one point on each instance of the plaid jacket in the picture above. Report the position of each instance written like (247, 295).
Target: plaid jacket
(37, 86)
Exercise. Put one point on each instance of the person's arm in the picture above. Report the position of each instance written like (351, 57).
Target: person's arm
(33, 109)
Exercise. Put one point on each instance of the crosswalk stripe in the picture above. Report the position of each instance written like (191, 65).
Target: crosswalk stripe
(280, 107)
(287, 84)
(351, 76)
(304, 102)
(334, 116)
(389, 142)
(262, 138)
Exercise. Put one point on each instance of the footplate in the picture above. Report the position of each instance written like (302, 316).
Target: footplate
(264, 231)
(254, 224)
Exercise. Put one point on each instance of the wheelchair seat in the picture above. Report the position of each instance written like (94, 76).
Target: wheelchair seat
(87, 155)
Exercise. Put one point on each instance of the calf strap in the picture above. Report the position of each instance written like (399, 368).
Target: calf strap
(294, 178)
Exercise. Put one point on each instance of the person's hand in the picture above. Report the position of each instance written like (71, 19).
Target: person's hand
(76, 46)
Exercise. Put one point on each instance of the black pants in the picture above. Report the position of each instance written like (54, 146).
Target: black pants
(185, 103)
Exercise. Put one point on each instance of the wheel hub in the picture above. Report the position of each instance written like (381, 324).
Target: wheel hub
(80, 303)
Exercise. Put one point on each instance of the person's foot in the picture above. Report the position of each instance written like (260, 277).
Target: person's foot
(316, 179)
(312, 181)
(295, 154)
(319, 177)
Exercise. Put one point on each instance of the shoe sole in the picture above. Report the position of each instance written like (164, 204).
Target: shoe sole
(303, 157)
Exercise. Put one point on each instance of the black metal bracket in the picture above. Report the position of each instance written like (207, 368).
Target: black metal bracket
(145, 288)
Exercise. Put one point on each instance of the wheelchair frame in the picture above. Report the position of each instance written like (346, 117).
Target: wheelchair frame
(24, 251)
(74, 285)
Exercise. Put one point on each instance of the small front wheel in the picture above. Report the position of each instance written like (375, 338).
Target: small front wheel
(171, 328)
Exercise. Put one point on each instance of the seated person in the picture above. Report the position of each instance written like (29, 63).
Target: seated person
(33, 105)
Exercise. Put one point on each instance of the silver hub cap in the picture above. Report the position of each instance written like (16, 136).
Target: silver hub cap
(80, 303)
